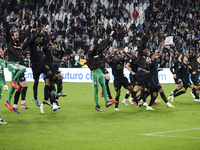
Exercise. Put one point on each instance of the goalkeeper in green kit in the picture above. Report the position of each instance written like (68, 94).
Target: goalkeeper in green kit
(2, 79)
(95, 63)
(14, 43)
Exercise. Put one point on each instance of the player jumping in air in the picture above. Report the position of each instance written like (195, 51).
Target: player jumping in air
(38, 66)
(14, 56)
(95, 63)
(119, 79)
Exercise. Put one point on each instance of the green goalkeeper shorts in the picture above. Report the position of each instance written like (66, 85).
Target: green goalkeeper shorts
(96, 75)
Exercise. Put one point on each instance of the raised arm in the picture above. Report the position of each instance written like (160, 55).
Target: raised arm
(106, 58)
(20, 31)
(127, 55)
(47, 39)
(27, 40)
(106, 42)
(24, 36)
(7, 29)
(92, 52)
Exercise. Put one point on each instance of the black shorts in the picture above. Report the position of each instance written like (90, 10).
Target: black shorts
(104, 70)
(38, 68)
(133, 79)
(155, 85)
(195, 81)
(118, 83)
(22, 78)
(142, 78)
(54, 69)
(186, 83)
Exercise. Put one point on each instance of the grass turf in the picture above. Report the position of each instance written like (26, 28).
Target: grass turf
(77, 125)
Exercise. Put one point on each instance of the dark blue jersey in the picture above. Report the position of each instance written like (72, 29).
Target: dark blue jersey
(153, 65)
(183, 71)
(133, 67)
(117, 68)
(141, 62)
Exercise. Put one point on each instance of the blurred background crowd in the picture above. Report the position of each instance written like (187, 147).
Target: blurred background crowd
(75, 24)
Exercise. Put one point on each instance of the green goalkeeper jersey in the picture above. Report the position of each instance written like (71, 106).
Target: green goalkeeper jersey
(2, 77)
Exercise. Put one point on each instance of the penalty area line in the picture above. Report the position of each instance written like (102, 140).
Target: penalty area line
(184, 137)
(171, 131)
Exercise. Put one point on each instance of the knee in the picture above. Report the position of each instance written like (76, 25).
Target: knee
(118, 93)
(23, 68)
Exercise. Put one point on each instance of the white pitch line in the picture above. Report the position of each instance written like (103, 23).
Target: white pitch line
(187, 137)
(172, 131)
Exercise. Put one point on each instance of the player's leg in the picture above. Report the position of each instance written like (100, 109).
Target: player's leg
(16, 99)
(36, 68)
(16, 69)
(35, 91)
(94, 75)
(117, 99)
(46, 92)
(103, 85)
(20, 71)
(125, 98)
(1, 121)
(101, 80)
(107, 79)
(133, 95)
(153, 98)
(194, 91)
(24, 85)
(178, 87)
(7, 104)
(12, 69)
(184, 89)
(59, 81)
(162, 94)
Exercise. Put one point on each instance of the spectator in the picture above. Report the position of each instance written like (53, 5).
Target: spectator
(99, 4)
(126, 15)
(118, 16)
(135, 15)
(52, 7)
(125, 41)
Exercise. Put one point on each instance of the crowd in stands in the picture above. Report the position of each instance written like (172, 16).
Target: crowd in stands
(77, 24)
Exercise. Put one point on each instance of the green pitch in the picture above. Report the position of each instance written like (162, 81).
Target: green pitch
(77, 125)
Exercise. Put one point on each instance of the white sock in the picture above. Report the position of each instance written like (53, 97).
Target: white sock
(167, 103)
(23, 101)
(124, 99)
(15, 105)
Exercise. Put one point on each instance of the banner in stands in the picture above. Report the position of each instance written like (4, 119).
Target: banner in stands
(83, 75)
(169, 40)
